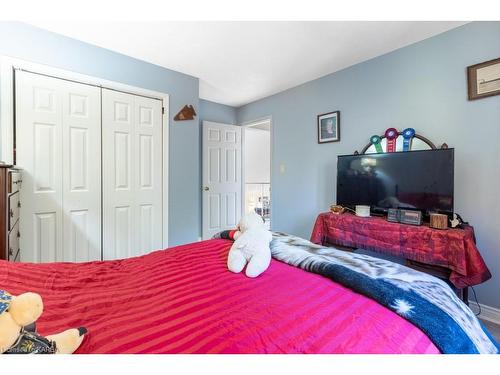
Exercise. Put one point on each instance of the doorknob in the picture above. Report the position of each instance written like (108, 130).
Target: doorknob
(206, 188)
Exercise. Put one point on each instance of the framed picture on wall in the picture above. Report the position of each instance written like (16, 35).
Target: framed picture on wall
(329, 127)
(484, 79)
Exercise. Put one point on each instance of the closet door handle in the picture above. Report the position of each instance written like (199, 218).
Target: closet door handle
(11, 213)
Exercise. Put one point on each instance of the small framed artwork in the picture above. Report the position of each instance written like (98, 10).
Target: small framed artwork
(484, 79)
(329, 127)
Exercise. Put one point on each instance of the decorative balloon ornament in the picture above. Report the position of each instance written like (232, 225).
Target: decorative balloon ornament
(391, 135)
(375, 140)
(408, 135)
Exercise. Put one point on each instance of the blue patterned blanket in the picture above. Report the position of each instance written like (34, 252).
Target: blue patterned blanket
(426, 301)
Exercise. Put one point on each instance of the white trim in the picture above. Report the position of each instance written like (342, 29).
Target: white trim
(262, 120)
(491, 314)
(7, 66)
(165, 149)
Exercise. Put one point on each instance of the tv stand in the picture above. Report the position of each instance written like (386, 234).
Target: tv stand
(450, 254)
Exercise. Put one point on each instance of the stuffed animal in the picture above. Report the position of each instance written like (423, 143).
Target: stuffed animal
(251, 245)
(17, 329)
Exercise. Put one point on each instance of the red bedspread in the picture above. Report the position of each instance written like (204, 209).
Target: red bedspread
(184, 300)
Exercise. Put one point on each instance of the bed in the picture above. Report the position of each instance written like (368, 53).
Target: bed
(184, 300)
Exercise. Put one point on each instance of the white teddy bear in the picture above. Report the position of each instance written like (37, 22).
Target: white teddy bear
(251, 245)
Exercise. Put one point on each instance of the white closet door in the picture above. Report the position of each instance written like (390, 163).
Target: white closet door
(82, 173)
(132, 174)
(149, 176)
(58, 145)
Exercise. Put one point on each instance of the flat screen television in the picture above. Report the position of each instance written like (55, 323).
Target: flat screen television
(420, 180)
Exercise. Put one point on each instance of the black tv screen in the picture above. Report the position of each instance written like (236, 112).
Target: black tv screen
(421, 180)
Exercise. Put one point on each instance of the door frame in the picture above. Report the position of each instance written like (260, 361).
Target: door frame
(8, 65)
(244, 126)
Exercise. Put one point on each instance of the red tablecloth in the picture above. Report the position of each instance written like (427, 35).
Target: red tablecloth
(454, 249)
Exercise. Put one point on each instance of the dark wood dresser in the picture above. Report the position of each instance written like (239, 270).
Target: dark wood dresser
(10, 184)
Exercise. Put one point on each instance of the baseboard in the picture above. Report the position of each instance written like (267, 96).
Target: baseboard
(489, 313)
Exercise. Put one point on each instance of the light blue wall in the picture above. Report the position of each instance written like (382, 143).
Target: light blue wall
(33, 44)
(422, 86)
(211, 111)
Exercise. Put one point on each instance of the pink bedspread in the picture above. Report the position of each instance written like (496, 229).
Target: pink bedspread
(184, 300)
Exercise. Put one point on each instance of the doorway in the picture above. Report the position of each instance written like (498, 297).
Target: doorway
(257, 169)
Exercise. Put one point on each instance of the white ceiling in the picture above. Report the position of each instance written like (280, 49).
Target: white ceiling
(240, 62)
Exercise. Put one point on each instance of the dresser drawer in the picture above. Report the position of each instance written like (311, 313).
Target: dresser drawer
(15, 179)
(13, 209)
(13, 246)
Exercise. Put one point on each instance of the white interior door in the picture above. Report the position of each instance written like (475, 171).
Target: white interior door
(221, 177)
(58, 146)
(132, 174)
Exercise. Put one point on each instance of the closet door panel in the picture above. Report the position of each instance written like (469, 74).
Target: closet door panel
(118, 173)
(39, 153)
(149, 177)
(81, 173)
(132, 174)
(58, 146)
(123, 232)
